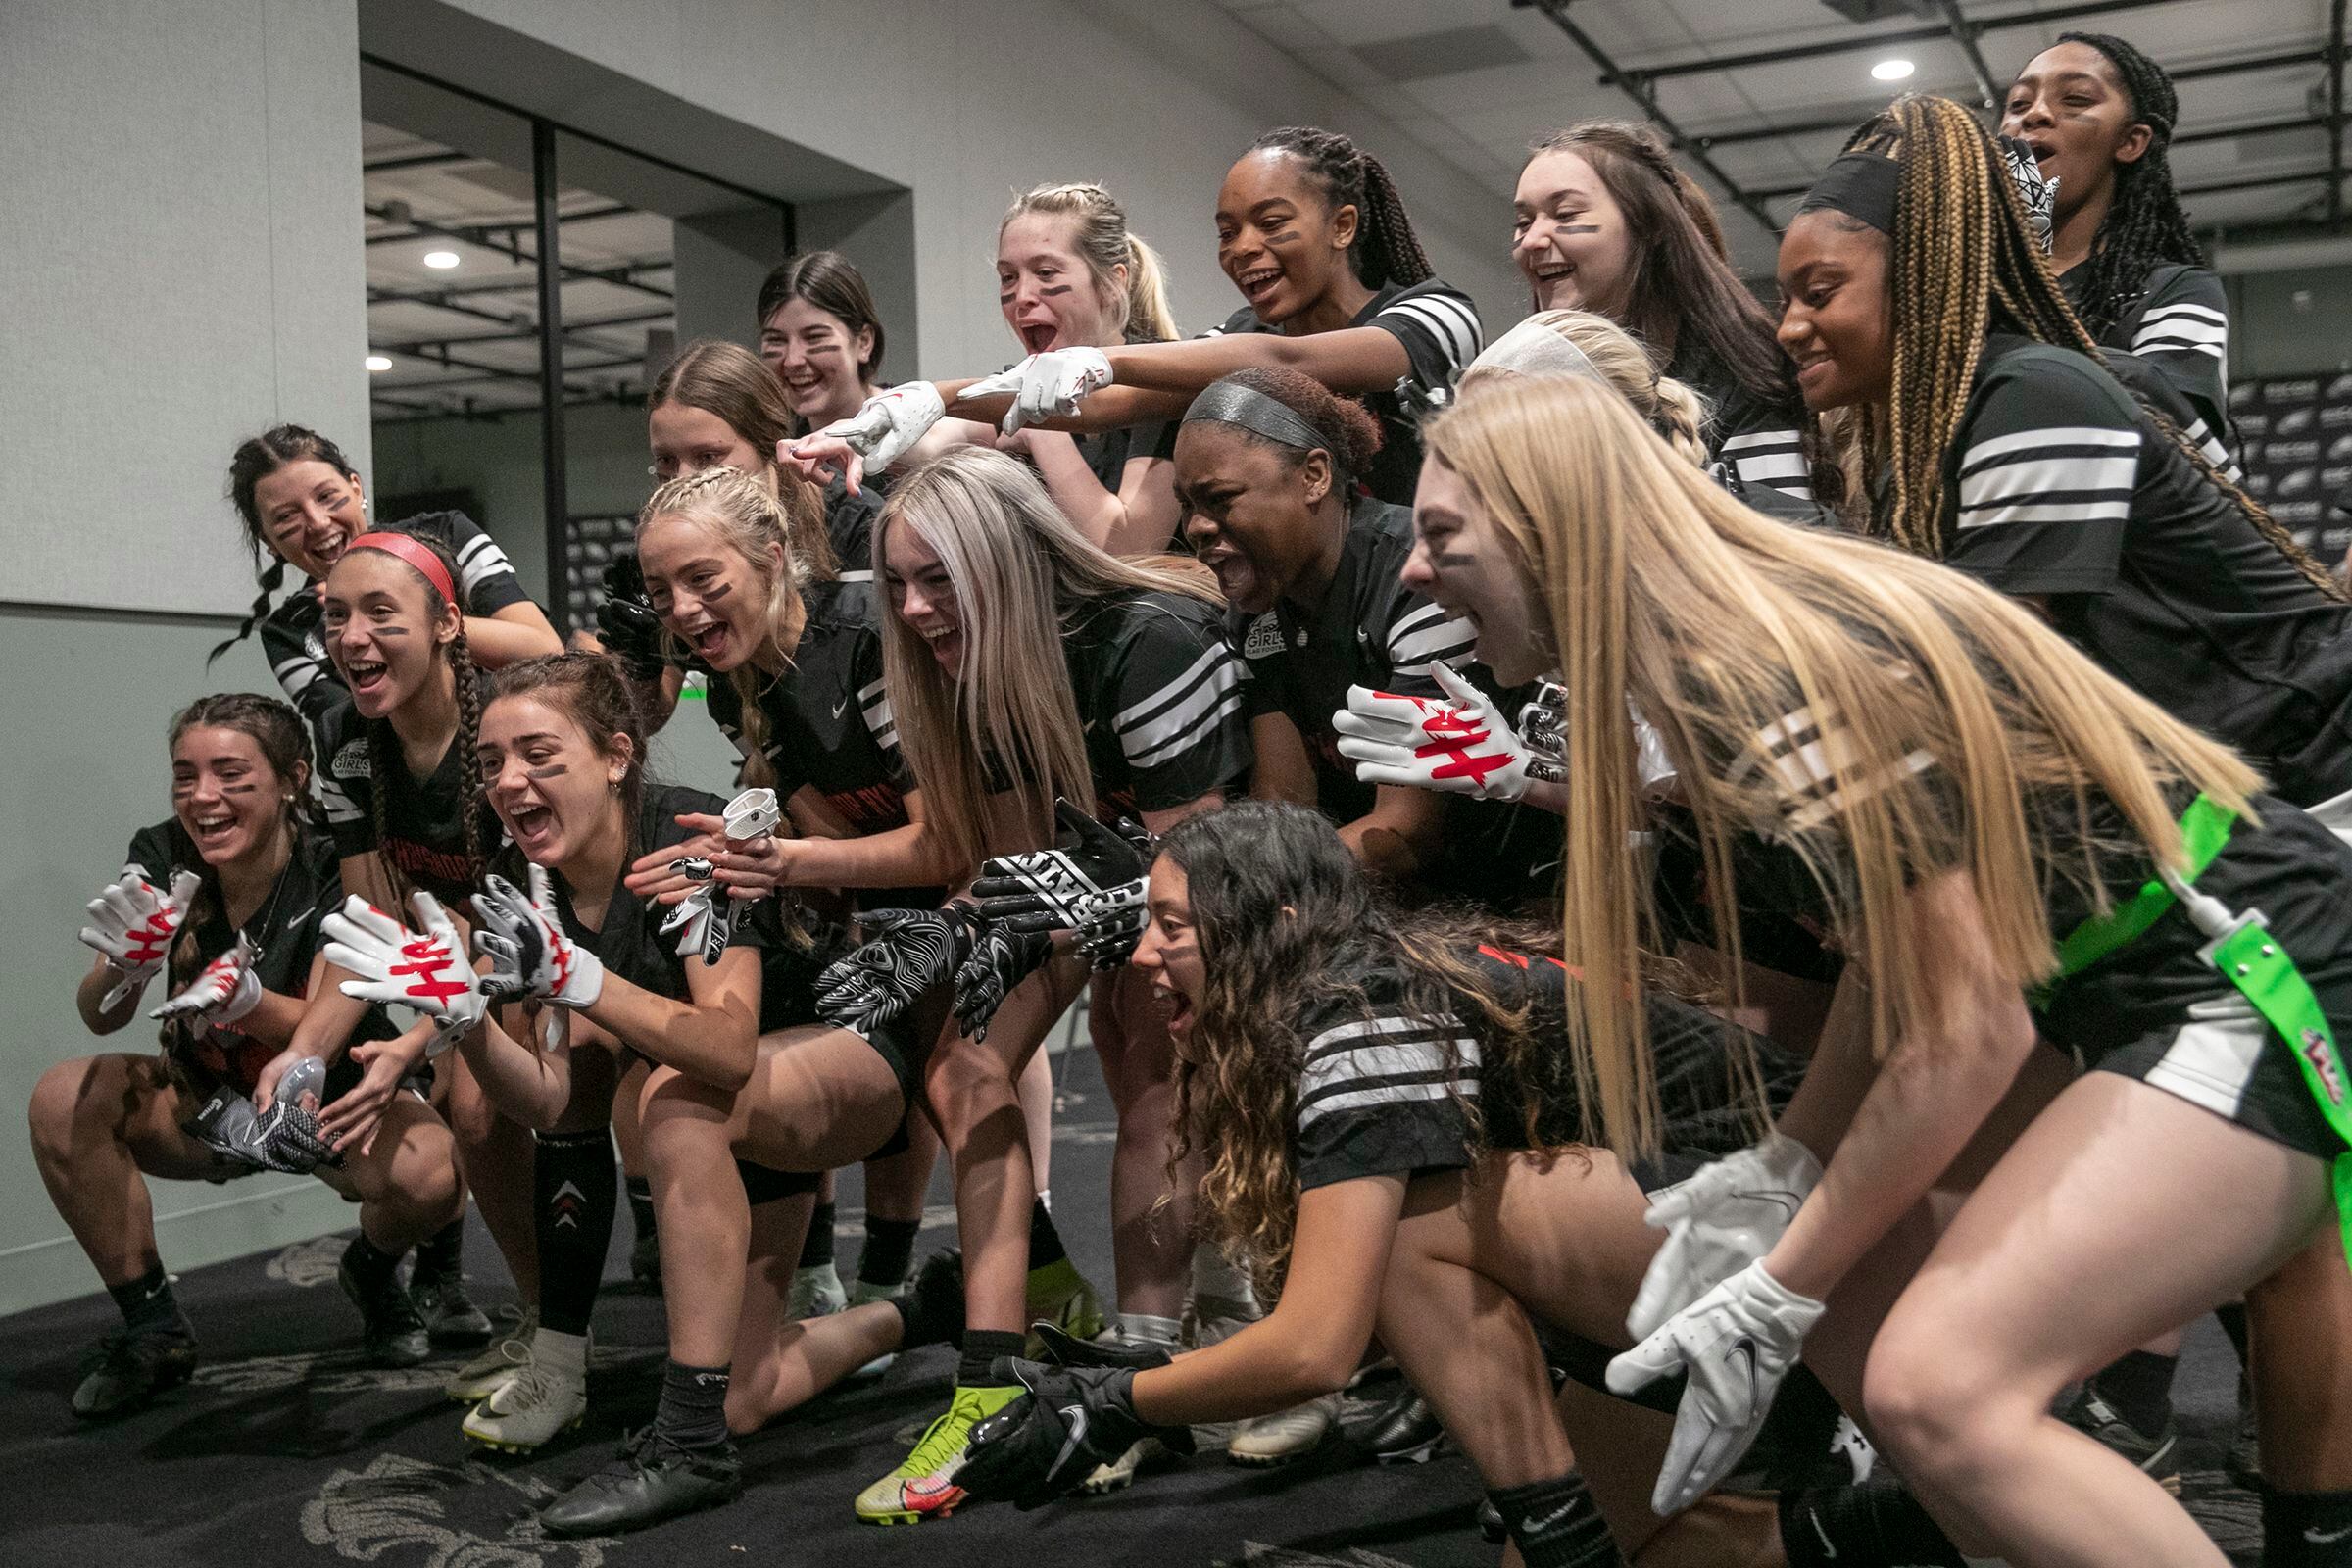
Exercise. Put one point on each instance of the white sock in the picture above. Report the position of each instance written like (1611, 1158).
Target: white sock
(1218, 1276)
(1143, 1328)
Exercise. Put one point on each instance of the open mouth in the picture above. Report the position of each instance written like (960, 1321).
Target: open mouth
(1040, 336)
(1552, 276)
(532, 825)
(1259, 283)
(366, 675)
(2042, 150)
(213, 828)
(947, 643)
(1178, 1006)
(708, 643)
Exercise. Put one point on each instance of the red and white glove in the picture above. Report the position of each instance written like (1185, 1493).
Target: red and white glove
(132, 924)
(226, 991)
(530, 952)
(426, 971)
(1462, 746)
(1045, 387)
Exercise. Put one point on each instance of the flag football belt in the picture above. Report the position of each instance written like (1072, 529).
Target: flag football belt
(2239, 945)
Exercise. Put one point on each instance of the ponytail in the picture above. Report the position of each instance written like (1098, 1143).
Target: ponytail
(1103, 240)
(1149, 319)
(1386, 249)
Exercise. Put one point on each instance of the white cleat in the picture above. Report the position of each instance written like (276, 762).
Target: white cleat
(548, 1398)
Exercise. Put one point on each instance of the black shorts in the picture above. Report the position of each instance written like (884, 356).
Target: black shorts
(2229, 1060)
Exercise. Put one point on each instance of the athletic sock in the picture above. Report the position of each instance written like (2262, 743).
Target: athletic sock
(576, 1186)
(2232, 1318)
(442, 1254)
(2306, 1529)
(1045, 1242)
(2141, 1388)
(147, 1303)
(981, 1348)
(1876, 1522)
(641, 1205)
(373, 1266)
(693, 1412)
(932, 1311)
(889, 1252)
(816, 1248)
(1143, 1328)
(1556, 1523)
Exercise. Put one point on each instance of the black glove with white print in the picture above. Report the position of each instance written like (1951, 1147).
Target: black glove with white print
(1008, 953)
(908, 952)
(1090, 860)
(1111, 923)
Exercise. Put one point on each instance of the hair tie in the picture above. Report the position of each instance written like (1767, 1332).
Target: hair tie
(1534, 350)
(416, 553)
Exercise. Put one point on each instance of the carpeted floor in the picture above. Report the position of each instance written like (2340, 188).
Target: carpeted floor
(286, 1450)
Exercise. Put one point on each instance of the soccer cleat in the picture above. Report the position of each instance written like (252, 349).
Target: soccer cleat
(1286, 1435)
(547, 1397)
(507, 1355)
(817, 1291)
(654, 1478)
(391, 1332)
(450, 1316)
(1405, 1431)
(2157, 1456)
(924, 1487)
(1058, 1293)
(128, 1368)
(1120, 1474)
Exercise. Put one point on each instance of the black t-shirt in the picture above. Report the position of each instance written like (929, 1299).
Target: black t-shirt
(1755, 445)
(829, 723)
(424, 819)
(2059, 484)
(293, 633)
(1158, 693)
(283, 929)
(1108, 451)
(2179, 325)
(850, 525)
(1437, 327)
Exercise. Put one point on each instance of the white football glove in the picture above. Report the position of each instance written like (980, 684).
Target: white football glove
(530, 952)
(225, 990)
(1723, 1218)
(889, 423)
(1736, 1342)
(429, 972)
(1462, 746)
(706, 917)
(1045, 387)
(132, 924)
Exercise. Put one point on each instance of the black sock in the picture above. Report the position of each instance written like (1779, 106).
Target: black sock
(374, 1267)
(2306, 1529)
(2141, 1388)
(442, 1254)
(932, 1313)
(889, 1250)
(641, 1205)
(1876, 1522)
(816, 1248)
(574, 1188)
(981, 1348)
(1045, 1242)
(693, 1410)
(1556, 1523)
(2232, 1318)
(147, 1303)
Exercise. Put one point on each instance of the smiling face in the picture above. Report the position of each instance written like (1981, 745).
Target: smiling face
(1049, 295)
(922, 594)
(687, 440)
(225, 794)
(1277, 238)
(555, 789)
(1250, 511)
(381, 630)
(816, 356)
(705, 592)
(2070, 105)
(1837, 317)
(1465, 561)
(1569, 237)
(1168, 954)
(308, 511)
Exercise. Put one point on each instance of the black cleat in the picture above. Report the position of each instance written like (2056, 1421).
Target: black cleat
(2157, 1454)
(1404, 1431)
(450, 1316)
(392, 1333)
(1490, 1523)
(654, 1478)
(128, 1368)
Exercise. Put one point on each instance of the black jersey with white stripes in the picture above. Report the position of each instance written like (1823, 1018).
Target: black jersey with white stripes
(828, 719)
(2057, 484)
(1437, 327)
(2178, 325)
(424, 822)
(850, 525)
(1108, 451)
(294, 632)
(1755, 446)
(1158, 692)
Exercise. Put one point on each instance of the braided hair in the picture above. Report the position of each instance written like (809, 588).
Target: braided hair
(254, 461)
(1386, 250)
(284, 742)
(2145, 224)
(1962, 263)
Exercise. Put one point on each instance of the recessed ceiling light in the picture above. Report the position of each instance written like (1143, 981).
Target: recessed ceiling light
(378, 362)
(443, 261)
(1883, 70)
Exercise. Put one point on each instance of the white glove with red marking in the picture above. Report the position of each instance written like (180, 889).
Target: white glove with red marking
(1045, 387)
(426, 971)
(1462, 746)
(132, 924)
(226, 991)
(530, 952)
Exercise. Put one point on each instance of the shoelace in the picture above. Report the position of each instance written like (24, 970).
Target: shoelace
(533, 1385)
(945, 1438)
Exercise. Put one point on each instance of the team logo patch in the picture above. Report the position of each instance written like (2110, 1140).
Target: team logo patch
(411, 1513)
(353, 761)
(1264, 639)
(2320, 1051)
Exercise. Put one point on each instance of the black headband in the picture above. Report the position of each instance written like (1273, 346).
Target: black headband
(1230, 403)
(1861, 185)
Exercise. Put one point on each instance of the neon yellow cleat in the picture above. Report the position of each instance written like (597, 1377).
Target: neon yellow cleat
(924, 1487)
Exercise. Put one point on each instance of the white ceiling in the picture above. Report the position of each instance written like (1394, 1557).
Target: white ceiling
(1480, 118)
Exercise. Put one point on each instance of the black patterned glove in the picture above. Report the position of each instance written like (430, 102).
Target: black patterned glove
(1008, 953)
(625, 621)
(909, 951)
(1092, 858)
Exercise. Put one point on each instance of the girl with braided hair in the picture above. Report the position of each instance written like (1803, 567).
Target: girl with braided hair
(2099, 116)
(1995, 440)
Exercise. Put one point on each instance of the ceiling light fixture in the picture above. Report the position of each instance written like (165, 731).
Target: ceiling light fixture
(443, 261)
(1883, 70)
(378, 363)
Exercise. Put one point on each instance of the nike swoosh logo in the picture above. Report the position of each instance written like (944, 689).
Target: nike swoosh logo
(839, 706)
(1827, 1548)
(2330, 1538)
(296, 923)
(1780, 1198)
(1075, 1414)
(1533, 1527)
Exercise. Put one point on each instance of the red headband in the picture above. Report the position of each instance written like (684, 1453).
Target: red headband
(414, 554)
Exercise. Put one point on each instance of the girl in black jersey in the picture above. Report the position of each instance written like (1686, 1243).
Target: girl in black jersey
(1026, 663)
(1384, 1117)
(222, 902)
(1913, 284)
(2099, 116)
(300, 503)
(1604, 222)
(2010, 842)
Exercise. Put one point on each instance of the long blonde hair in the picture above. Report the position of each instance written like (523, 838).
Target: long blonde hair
(1891, 717)
(748, 519)
(1104, 242)
(1673, 409)
(1019, 569)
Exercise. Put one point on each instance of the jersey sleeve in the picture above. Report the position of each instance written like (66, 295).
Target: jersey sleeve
(2183, 332)
(1437, 327)
(1175, 702)
(2048, 460)
(301, 667)
(1380, 1094)
(1421, 634)
(850, 525)
(487, 578)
